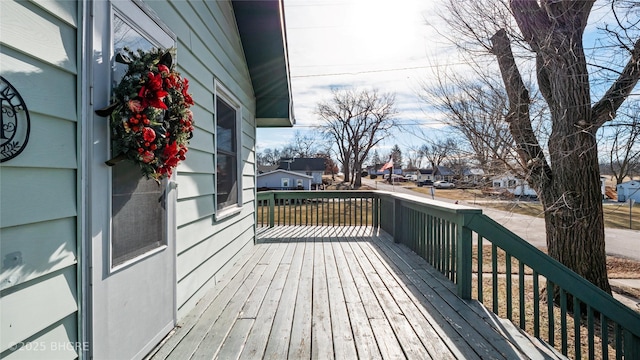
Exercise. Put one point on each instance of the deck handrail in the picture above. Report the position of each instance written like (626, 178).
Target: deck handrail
(562, 277)
(443, 234)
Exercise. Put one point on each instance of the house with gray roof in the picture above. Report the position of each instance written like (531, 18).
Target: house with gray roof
(313, 167)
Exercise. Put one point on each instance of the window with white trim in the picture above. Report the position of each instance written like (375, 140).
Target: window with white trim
(284, 182)
(228, 179)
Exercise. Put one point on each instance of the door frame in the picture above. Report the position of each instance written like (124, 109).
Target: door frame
(96, 213)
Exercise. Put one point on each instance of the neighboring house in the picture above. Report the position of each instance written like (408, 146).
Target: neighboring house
(473, 175)
(98, 262)
(443, 173)
(629, 190)
(284, 180)
(411, 175)
(313, 167)
(261, 169)
(425, 175)
(513, 184)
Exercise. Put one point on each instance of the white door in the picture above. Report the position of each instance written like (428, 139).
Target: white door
(132, 219)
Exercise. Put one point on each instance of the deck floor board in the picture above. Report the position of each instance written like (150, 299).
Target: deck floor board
(341, 292)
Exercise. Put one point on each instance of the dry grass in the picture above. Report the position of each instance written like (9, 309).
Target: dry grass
(627, 291)
(615, 215)
(544, 319)
(351, 212)
(617, 267)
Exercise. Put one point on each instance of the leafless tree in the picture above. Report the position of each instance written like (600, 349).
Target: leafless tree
(413, 156)
(566, 176)
(475, 109)
(268, 157)
(356, 120)
(624, 141)
(304, 145)
(437, 151)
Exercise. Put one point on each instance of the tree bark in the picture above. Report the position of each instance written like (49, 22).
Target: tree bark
(569, 188)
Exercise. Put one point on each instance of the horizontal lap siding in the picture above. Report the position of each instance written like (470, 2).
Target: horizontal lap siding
(209, 49)
(38, 188)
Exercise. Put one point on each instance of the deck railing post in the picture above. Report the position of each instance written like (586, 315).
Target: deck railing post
(464, 253)
(631, 345)
(272, 201)
(398, 235)
(376, 211)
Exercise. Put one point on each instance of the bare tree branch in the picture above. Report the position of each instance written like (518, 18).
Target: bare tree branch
(357, 120)
(519, 118)
(605, 109)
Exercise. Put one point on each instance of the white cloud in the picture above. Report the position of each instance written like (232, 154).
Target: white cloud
(378, 44)
(393, 46)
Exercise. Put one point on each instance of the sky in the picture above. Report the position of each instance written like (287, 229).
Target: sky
(389, 45)
(366, 44)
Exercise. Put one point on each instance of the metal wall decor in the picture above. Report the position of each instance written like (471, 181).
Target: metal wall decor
(14, 122)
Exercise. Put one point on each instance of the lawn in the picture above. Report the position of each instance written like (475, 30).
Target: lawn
(616, 215)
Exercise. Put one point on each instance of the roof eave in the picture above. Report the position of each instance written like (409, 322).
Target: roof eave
(261, 25)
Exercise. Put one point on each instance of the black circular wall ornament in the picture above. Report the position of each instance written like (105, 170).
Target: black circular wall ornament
(14, 122)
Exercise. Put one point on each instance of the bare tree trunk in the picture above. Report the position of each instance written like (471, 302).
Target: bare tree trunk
(567, 178)
(570, 189)
(574, 219)
(357, 179)
(346, 171)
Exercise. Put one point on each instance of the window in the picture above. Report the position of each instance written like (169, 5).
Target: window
(299, 183)
(285, 183)
(511, 183)
(228, 185)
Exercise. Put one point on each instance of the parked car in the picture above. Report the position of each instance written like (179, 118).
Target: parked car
(425, 183)
(443, 185)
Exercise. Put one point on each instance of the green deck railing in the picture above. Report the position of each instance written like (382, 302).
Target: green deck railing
(508, 275)
(315, 208)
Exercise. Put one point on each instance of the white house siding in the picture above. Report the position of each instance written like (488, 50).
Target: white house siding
(317, 177)
(273, 180)
(209, 49)
(38, 192)
(629, 190)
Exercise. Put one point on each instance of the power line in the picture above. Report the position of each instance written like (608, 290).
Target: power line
(377, 71)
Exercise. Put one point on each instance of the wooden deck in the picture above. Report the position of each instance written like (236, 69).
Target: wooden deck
(341, 293)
